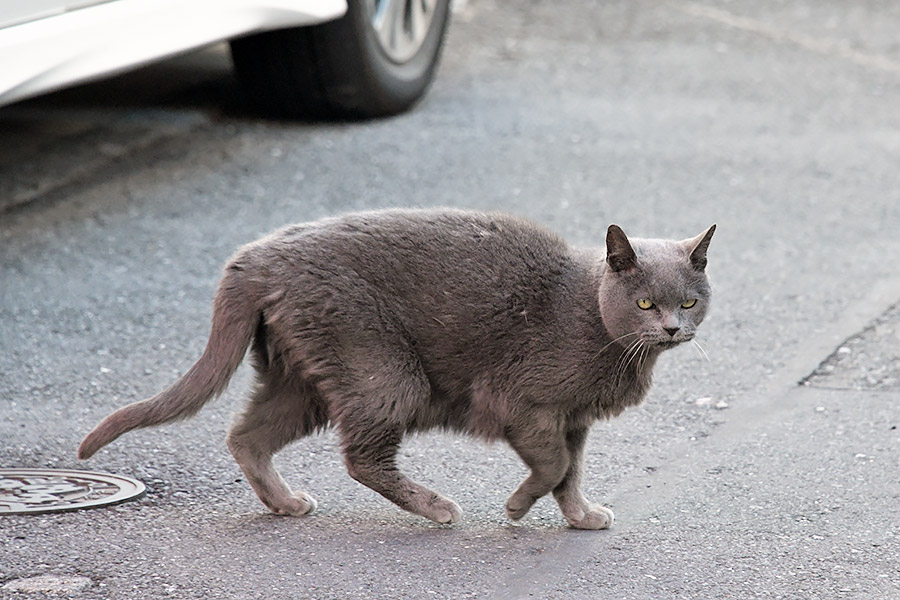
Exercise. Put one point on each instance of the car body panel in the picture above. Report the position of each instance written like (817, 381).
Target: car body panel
(13, 12)
(98, 40)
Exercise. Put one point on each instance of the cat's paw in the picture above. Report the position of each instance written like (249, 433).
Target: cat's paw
(296, 505)
(518, 505)
(443, 510)
(594, 517)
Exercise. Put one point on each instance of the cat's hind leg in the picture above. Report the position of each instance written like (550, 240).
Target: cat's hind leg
(371, 413)
(373, 464)
(579, 513)
(279, 412)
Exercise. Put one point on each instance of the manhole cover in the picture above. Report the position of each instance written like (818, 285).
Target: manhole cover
(51, 490)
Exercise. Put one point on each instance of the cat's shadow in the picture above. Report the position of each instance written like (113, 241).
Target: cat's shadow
(392, 524)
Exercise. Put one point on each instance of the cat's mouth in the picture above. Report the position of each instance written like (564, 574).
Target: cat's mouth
(669, 343)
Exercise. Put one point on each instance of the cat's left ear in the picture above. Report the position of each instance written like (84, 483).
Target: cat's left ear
(698, 246)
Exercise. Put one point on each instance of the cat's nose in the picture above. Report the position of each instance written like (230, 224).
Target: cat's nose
(672, 330)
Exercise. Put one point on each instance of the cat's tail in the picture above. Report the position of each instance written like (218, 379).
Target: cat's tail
(235, 319)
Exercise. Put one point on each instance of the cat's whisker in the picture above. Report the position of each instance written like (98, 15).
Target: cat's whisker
(637, 356)
(623, 358)
(696, 350)
(621, 337)
(643, 360)
(618, 368)
(703, 353)
(634, 349)
(627, 348)
(644, 355)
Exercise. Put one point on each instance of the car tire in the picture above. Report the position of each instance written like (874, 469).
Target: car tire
(350, 68)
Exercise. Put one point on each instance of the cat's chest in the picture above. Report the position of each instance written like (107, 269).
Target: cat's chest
(625, 395)
(608, 390)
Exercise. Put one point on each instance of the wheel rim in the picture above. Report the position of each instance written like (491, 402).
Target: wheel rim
(401, 26)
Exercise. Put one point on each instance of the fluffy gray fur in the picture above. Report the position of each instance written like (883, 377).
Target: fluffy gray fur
(397, 321)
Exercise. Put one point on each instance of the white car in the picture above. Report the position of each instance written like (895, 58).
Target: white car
(318, 58)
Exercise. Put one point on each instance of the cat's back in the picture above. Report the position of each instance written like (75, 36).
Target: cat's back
(424, 243)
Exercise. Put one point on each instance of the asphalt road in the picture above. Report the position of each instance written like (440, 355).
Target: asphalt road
(772, 470)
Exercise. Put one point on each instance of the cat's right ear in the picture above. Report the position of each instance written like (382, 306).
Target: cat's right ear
(619, 253)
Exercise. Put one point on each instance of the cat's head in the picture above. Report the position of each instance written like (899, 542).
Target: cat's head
(655, 291)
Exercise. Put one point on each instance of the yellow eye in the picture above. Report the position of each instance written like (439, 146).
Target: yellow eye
(644, 304)
(688, 303)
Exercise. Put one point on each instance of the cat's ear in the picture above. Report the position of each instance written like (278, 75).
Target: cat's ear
(698, 246)
(619, 253)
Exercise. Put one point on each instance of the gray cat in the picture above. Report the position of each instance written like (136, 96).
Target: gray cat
(397, 321)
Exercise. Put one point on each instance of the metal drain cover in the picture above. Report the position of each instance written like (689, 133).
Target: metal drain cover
(51, 490)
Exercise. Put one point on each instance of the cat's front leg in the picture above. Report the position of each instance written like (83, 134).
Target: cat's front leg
(544, 451)
(579, 513)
